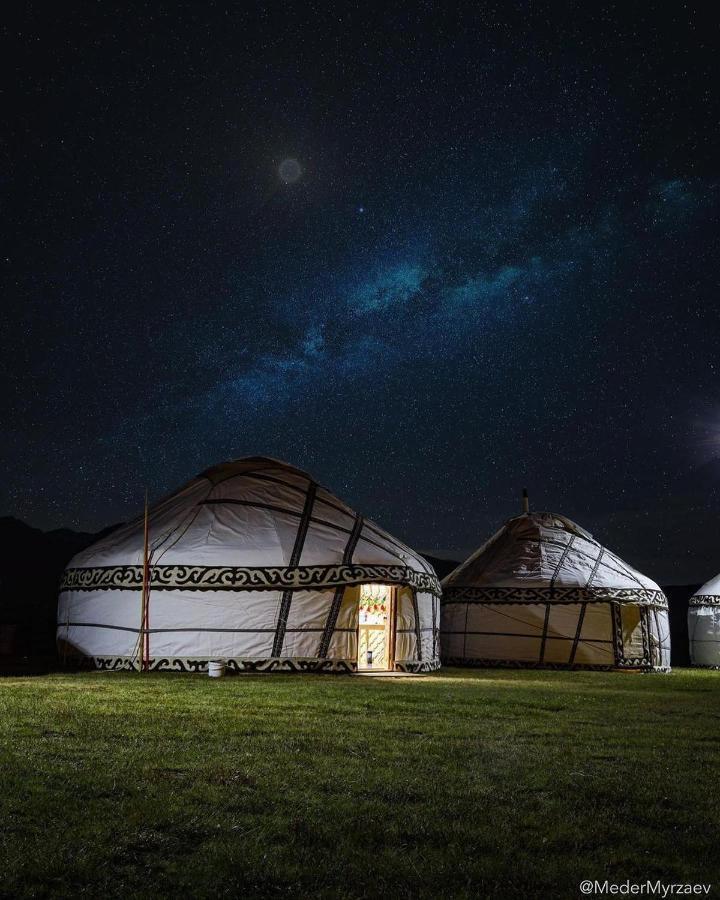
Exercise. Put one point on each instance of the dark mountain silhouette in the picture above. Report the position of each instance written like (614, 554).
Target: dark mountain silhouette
(442, 566)
(31, 563)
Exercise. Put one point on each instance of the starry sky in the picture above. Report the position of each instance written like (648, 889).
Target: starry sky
(433, 255)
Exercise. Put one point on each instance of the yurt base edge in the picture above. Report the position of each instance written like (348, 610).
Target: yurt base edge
(464, 662)
(236, 666)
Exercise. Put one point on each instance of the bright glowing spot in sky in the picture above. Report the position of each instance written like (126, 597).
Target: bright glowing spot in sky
(290, 170)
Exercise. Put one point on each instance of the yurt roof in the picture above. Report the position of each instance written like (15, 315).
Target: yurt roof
(542, 555)
(250, 524)
(708, 594)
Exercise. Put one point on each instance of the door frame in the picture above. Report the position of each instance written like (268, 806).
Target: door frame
(390, 631)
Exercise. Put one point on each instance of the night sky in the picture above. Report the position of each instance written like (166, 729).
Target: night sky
(432, 256)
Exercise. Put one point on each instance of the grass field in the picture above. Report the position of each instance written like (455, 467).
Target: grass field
(464, 783)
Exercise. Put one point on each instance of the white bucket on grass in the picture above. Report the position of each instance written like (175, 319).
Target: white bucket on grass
(216, 668)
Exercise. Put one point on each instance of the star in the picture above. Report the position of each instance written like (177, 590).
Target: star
(290, 170)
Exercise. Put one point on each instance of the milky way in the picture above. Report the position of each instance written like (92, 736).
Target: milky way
(495, 266)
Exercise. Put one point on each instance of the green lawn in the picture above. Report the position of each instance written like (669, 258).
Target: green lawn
(459, 784)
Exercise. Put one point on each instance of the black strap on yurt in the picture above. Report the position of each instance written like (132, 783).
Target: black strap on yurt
(576, 640)
(294, 561)
(544, 633)
(418, 635)
(340, 590)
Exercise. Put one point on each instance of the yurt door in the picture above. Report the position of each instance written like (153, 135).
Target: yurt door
(376, 627)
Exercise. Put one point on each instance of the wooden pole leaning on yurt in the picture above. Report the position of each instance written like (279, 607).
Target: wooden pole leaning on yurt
(525, 502)
(144, 635)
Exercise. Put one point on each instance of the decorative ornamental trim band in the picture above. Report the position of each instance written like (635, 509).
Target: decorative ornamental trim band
(465, 662)
(490, 595)
(237, 578)
(705, 600)
(200, 664)
(236, 665)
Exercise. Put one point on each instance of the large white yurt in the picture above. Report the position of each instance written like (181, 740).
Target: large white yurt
(254, 564)
(544, 592)
(704, 625)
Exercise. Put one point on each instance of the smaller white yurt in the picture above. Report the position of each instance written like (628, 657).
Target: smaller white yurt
(704, 625)
(543, 592)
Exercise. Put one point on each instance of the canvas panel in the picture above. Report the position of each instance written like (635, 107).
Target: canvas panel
(596, 647)
(371, 553)
(453, 616)
(343, 645)
(594, 641)
(563, 620)
(231, 535)
(401, 554)
(506, 618)
(324, 545)
(405, 636)
(220, 535)
(632, 631)
(220, 623)
(247, 645)
(506, 647)
(348, 614)
(302, 642)
(659, 627)
(704, 632)
(250, 490)
(250, 610)
(557, 650)
(405, 646)
(597, 623)
(596, 627)
(308, 610)
(452, 644)
(333, 510)
(425, 608)
(121, 608)
(405, 611)
(97, 641)
(508, 559)
(595, 653)
(564, 561)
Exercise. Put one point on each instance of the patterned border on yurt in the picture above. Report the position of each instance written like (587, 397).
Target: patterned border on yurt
(237, 578)
(642, 666)
(242, 665)
(639, 596)
(704, 600)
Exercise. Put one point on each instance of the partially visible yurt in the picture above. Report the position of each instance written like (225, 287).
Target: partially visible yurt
(704, 625)
(254, 564)
(543, 592)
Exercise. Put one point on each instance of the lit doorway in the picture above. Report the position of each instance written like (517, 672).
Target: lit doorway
(376, 627)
